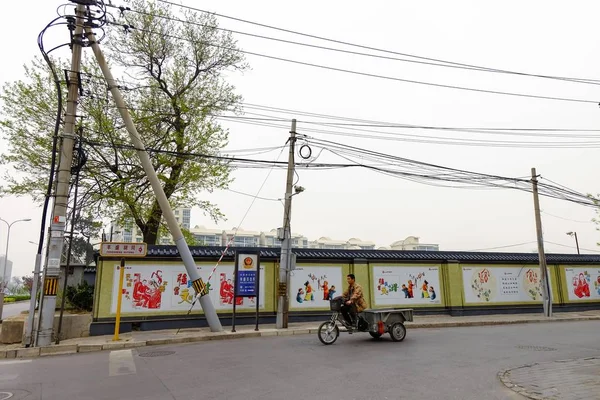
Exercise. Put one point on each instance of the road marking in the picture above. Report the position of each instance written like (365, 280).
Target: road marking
(14, 362)
(121, 363)
(5, 395)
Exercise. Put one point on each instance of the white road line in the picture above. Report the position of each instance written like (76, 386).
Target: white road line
(121, 363)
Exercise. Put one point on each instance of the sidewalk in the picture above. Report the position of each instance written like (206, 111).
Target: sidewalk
(173, 336)
(565, 379)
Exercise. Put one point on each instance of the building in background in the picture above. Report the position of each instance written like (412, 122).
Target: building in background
(8, 272)
(130, 232)
(412, 243)
(243, 238)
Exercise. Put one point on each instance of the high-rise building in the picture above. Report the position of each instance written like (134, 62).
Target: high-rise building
(8, 272)
(130, 232)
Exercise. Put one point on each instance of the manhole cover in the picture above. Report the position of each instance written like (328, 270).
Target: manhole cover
(536, 348)
(157, 353)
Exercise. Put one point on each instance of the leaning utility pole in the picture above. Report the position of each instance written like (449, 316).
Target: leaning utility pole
(285, 264)
(186, 255)
(546, 293)
(61, 197)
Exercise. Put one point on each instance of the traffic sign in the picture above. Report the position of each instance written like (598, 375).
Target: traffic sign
(123, 249)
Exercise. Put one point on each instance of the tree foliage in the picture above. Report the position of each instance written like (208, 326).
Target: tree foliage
(174, 84)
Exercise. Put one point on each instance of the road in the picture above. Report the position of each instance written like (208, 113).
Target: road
(449, 363)
(11, 309)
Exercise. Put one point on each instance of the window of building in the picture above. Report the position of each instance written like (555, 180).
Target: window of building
(208, 240)
(246, 241)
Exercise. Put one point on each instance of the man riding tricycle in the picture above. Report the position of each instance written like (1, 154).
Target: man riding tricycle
(350, 310)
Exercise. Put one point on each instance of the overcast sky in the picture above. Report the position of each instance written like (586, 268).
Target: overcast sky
(539, 37)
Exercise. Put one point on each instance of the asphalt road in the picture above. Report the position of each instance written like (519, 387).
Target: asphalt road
(449, 363)
(11, 309)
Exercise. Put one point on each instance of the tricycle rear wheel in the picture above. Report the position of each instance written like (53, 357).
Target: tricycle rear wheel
(328, 332)
(398, 332)
(375, 335)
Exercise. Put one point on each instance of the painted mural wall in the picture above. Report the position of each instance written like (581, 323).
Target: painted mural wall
(150, 288)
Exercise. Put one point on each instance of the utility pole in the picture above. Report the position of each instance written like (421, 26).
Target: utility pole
(286, 263)
(61, 197)
(184, 251)
(546, 293)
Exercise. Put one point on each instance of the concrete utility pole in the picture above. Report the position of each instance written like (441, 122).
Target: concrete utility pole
(186, 255)
(285, 264)
(546, 293)
(61, 197)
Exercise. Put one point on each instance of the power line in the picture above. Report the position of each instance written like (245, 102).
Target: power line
(359, 73)
(450, 63)
(437, 64)
(251, 195)
(412, 170)
(571, 247)
(566, 219)
(504, 247)
(392, 136)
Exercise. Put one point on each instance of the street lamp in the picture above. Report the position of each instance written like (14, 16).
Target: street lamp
(574, 234)
(3, 287)
(9, 225)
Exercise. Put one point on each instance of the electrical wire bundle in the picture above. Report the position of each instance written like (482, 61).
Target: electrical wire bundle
(438, 175)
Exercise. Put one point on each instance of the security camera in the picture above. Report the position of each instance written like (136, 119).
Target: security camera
(299, 189)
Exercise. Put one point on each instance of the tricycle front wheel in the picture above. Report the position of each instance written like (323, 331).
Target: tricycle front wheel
(328, 332)
(398, 332)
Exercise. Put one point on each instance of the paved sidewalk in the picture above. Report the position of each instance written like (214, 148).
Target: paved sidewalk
(567, 379)
(173, 336)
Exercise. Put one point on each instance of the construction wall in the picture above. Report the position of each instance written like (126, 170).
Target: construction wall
(447, 287)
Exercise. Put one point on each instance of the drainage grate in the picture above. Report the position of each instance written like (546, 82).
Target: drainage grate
(157, 353)
(536, 348)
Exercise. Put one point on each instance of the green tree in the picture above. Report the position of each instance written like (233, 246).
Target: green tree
(82, 251)
(175, 89)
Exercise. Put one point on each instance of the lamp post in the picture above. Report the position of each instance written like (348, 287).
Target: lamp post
(574, 234)
(3, 287)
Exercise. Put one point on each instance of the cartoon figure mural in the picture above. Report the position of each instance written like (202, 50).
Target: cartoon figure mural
(332, 292)
(145, 293)
(581, 284)
(410, 286)
(425, 290)
(309, 292)
(226, 291)
(300, 296)
(325, 288)
(314, 286)
(405, 285)
(405, 291)
(432, 294)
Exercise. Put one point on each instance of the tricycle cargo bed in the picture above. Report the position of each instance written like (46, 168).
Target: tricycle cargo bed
(388, 316)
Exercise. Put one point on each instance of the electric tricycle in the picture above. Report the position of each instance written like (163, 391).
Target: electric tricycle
(376, 322)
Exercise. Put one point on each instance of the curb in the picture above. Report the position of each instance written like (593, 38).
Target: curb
(64, 349)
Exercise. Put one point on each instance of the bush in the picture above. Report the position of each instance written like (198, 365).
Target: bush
(81, 297)
(9, 300)
(22, 297)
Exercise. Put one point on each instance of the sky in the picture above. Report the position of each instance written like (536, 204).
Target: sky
(536, 37)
